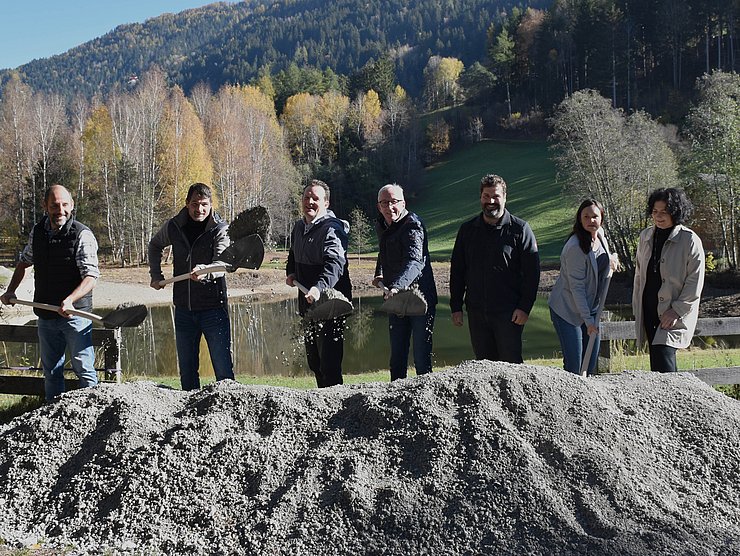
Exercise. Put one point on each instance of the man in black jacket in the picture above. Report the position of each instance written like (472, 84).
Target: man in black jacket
(495, 270)
(198, 236)
(403, 262)
(64, 254)
(318, 261)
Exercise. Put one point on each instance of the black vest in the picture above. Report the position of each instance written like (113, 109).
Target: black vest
(56, 274)
(188, 294)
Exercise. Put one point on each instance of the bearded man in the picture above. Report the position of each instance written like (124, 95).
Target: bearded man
(495, 271)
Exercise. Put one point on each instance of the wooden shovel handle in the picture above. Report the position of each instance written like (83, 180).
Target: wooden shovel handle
(55, 308)
(205, 270)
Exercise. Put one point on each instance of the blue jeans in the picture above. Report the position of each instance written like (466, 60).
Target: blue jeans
(189, 327)
(55, 336)
(400, 330)
(574, 342)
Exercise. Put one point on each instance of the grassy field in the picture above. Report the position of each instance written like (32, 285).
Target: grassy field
(450, 194)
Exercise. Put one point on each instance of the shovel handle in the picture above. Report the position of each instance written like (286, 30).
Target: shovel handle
(199, 272)
(300, 286)
(55, 308)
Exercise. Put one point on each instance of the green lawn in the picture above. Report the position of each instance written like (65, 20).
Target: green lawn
(450, 194)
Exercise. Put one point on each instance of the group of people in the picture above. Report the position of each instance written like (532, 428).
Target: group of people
(494, 275)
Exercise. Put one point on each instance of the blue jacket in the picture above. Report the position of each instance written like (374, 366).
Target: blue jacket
(403, 257)
(494, 269)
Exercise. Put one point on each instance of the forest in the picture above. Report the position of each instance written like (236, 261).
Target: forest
(256, 98)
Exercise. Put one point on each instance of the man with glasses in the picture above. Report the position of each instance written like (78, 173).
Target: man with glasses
(403, 263)
(495, 270)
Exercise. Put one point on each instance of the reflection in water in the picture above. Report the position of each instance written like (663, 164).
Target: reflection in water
(267, 340)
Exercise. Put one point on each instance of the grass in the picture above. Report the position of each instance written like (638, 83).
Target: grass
(451, 194)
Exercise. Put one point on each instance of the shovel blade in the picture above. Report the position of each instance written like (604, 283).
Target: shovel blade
(126, 316)
(406, 303)
(247, 252)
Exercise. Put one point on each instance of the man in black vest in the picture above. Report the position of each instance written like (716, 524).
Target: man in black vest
(198, 236)
(64, 254)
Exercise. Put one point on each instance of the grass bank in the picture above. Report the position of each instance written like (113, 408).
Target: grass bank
(450, 194)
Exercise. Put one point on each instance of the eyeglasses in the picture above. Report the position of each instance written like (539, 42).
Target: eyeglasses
(391, 202)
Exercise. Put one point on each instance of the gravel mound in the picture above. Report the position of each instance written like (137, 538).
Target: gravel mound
(487, 458)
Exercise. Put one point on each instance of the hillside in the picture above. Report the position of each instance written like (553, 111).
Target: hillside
(450, 194)
(227, 43)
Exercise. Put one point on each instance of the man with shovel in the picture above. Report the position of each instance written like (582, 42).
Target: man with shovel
(317, 263)
(198, 236)
(64, 254)
(403, 266)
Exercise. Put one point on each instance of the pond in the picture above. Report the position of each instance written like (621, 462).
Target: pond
(266, 340)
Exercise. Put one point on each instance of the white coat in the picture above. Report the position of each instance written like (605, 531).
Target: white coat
(682, 272)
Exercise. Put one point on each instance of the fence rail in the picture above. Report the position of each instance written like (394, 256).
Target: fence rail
(722, 326)
(30, 381)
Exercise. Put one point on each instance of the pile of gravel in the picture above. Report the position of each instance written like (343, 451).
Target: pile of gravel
(486, 458)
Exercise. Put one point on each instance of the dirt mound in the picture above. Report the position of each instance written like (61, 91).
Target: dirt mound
(484, 459)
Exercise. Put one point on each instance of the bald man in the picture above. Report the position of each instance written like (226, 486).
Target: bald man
(64, 254)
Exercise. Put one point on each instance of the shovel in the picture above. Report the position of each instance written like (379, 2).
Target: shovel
(330, 305)
(122, 316)
(247, 252)
(592, 337)
(405, 303)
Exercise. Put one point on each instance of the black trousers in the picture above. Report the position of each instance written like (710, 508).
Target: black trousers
(495, 337)
(662, 357)
(324, 342)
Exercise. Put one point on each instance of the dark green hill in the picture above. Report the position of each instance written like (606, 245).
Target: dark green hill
(227, 43)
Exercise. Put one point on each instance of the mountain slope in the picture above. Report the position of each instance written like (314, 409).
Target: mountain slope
(222, 43)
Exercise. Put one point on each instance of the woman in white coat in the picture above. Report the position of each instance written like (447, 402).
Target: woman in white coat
(669, 277)
(585, 265)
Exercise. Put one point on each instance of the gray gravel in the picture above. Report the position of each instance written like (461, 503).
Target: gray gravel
(487, 458)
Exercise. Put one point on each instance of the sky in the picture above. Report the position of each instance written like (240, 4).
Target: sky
(31, 29)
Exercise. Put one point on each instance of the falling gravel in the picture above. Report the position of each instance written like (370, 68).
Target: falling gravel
(486, 458)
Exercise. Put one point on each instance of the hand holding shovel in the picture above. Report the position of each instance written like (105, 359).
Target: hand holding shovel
(405, 303)
(122, 316)
(330, 304)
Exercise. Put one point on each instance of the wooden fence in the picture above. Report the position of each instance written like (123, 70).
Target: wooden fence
(30, 380)
(723, 326)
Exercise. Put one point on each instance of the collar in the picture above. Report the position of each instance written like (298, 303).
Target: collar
(504, 221)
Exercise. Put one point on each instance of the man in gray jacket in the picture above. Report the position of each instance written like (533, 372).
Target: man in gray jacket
(198, 236)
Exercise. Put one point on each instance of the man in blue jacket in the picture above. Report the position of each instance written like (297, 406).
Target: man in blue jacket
(403, 263)
(198, 236)
(495, 271)
(318, 260)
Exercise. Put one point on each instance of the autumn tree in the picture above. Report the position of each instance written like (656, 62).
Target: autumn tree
(441, 87)
(360, 232)
(617, 159)
(17, 150)
(714, 157)
(184, 157)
